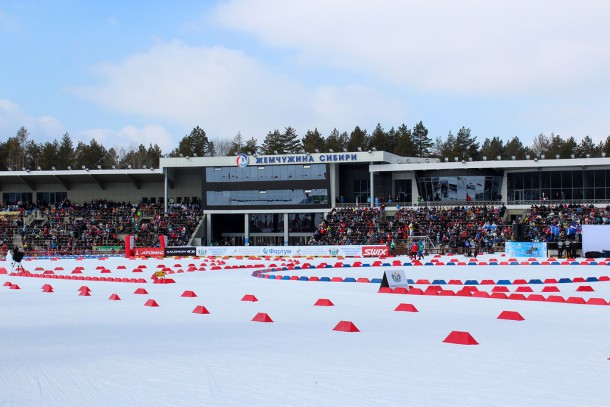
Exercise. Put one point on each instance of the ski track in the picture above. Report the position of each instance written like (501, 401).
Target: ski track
(60, 349)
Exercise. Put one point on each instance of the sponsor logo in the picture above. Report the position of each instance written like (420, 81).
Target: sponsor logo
(243, 160)
(375, 251)
(333, 251)
(180, 251)
(396, 277)
(149, 251)
(279, 252)
(201, 251)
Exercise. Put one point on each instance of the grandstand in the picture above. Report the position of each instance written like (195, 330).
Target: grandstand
(299, 199)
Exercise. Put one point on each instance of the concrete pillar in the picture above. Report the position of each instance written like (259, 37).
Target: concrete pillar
(165, 188)
(372, 174)
(208, 229)
(246, 230)
(285, 229)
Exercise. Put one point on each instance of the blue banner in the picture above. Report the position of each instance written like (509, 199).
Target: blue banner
(525, 249)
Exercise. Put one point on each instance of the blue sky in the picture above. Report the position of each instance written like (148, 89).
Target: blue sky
(129, 74)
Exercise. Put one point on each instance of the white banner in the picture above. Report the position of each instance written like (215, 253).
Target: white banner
(595, 238)
(396, 278)
(303, 251)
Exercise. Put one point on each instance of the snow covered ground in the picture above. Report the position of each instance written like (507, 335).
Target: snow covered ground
(63, 349)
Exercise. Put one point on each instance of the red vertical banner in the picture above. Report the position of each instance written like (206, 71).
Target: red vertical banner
(162, 241)
(129, 240)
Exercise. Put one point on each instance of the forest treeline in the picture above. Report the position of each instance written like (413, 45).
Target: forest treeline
(21, 152)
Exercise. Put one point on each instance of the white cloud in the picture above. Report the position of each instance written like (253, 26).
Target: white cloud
(130, 137)
(571, 120)
(346, 63)
(41, 128)
(465, 46)
(225, 91)
(349, 106)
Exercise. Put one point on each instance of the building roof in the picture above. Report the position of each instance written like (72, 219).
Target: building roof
(67, 178)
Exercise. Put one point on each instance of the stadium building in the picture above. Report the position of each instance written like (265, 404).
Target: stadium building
(280, 199)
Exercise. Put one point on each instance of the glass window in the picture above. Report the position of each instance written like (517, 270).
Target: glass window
(590, 193)
(576, 179)
(266, 173)
(600, 178)
(535, 180)
(566, 179)
(589, 179)
(518, 180)
(527, 180)
(269, 197)
(460, 188)
(555, 180)
(545, 179)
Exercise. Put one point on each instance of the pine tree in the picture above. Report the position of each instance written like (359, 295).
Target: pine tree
(49, 155)
(273, 143)
(196, 144)
(250, 148)
(466, 144)
(66, 154)
(290, 140)
(423, 143)
(379, 139)
(404, 142)
(313, 141)
(585, 147)
(492, 148)
(336, 141)
(237, 145)
(515, 148)
(358, 140)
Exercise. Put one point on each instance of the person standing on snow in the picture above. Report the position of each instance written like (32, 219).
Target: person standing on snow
(9, 258)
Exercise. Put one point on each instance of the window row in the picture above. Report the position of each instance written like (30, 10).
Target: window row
(459, 188)
(558, 179)
(266, 173)
(269, 197)
(274, 222)
(557, 194)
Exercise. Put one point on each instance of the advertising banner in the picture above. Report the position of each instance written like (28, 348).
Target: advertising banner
(375, 251)
(595, 239)
(301, 251)
(107, 248)
(180, 251)
(525, 249)
(149, 251)
(396, 278)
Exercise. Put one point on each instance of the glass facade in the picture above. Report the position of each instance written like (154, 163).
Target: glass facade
(460, 188)
(304, 222)
(271, 185)
(362, 190)
(266, 173)
(558, 185)
(51, 197)
(267, 197)
(402, 190)
(14, 198)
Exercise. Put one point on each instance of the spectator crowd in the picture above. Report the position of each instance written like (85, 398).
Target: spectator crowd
(460, 229)
(84, 228)
(98, 225)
